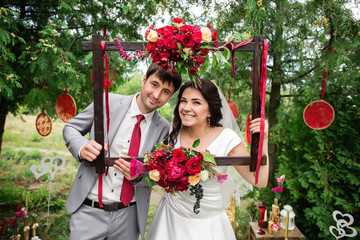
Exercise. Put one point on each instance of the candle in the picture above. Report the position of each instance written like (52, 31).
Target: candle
(27, 202)
(2, 227)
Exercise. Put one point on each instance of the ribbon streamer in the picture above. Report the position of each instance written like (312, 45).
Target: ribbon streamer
(106, 87)
(263, 78)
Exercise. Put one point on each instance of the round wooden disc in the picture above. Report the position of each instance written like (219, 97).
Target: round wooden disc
(319, 115)
(65, 107)
(247, 132)
(43, 124)
(234, 108)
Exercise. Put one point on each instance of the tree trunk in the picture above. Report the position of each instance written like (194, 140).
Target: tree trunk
(3, 113)
(274, 105)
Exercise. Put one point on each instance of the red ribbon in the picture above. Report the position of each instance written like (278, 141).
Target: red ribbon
(323, 83)
(262, 93)
(263, 78)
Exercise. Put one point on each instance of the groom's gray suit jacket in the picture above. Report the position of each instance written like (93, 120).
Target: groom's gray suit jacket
(83, 123)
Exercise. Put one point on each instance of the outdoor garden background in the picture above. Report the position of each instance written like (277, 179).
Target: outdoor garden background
(40, 41)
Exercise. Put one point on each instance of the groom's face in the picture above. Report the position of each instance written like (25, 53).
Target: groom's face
(154, 94)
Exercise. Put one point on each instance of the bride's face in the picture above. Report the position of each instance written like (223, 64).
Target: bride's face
(193, 108)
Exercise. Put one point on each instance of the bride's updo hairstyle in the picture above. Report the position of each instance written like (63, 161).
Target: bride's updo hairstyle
(210, 93)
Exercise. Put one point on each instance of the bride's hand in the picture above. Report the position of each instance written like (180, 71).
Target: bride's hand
(255, 126)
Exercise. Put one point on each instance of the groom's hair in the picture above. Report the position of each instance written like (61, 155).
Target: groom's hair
(165, 76)
(210, 92)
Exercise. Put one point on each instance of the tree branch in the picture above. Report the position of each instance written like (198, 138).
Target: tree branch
(301, 75)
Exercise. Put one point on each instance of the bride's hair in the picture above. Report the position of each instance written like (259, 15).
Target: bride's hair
(210, 92)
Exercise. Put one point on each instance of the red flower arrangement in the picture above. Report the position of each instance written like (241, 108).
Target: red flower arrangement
(279, 189)
(178, 170)
(181, 48)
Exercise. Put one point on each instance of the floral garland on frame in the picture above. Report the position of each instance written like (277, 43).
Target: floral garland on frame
(182, 48)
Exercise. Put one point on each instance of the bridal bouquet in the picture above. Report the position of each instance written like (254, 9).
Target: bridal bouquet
(182, 48)
(178, 170)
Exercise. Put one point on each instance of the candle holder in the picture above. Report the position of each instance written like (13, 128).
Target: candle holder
(261, 220)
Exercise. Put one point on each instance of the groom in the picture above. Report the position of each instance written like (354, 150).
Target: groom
(94, 200)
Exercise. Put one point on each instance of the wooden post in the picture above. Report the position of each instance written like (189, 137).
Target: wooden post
(256, 47)
(98, 100)
(255, 109)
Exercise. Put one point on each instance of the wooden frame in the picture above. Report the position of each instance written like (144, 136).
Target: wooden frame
(256, 46)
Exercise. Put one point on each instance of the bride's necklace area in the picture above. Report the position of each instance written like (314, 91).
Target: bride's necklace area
(188, 136)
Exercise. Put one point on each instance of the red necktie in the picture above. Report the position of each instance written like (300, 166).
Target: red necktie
(127, 190)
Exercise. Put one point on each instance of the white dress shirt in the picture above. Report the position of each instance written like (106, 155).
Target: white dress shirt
(112, 183)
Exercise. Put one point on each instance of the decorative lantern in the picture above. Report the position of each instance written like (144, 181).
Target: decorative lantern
(283, 213)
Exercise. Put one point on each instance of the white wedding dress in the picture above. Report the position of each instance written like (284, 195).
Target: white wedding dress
(174, 218)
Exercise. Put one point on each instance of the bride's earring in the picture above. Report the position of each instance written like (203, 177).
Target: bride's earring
(208, 122)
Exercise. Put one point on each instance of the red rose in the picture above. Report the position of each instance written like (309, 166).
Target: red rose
(209, 26)
(197, 36)
(193, 166)
(160, 43)
(178, 20)
(168, 33)
(170, 43)
(150, 46)
(185, 39)
(214, 35)
(178, 155)
(162, 30)
(189, 29)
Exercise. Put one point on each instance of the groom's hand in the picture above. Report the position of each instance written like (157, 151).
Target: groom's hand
(91, 150)
(124, 167)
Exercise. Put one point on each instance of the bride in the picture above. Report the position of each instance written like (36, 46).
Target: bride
(198, 115)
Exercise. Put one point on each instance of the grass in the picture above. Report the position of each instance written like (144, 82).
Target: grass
(23, 147)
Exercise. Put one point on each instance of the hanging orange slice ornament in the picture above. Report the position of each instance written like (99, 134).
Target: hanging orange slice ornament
(234, 108)
(319, 115)
(65, 107)
(247, 131)
(43, 124)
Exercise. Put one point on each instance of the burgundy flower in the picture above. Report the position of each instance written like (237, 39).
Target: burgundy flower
(175, 56)
(13, 222)
(195, 46)
(208, 26)
(193, 70)
(204, 51)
